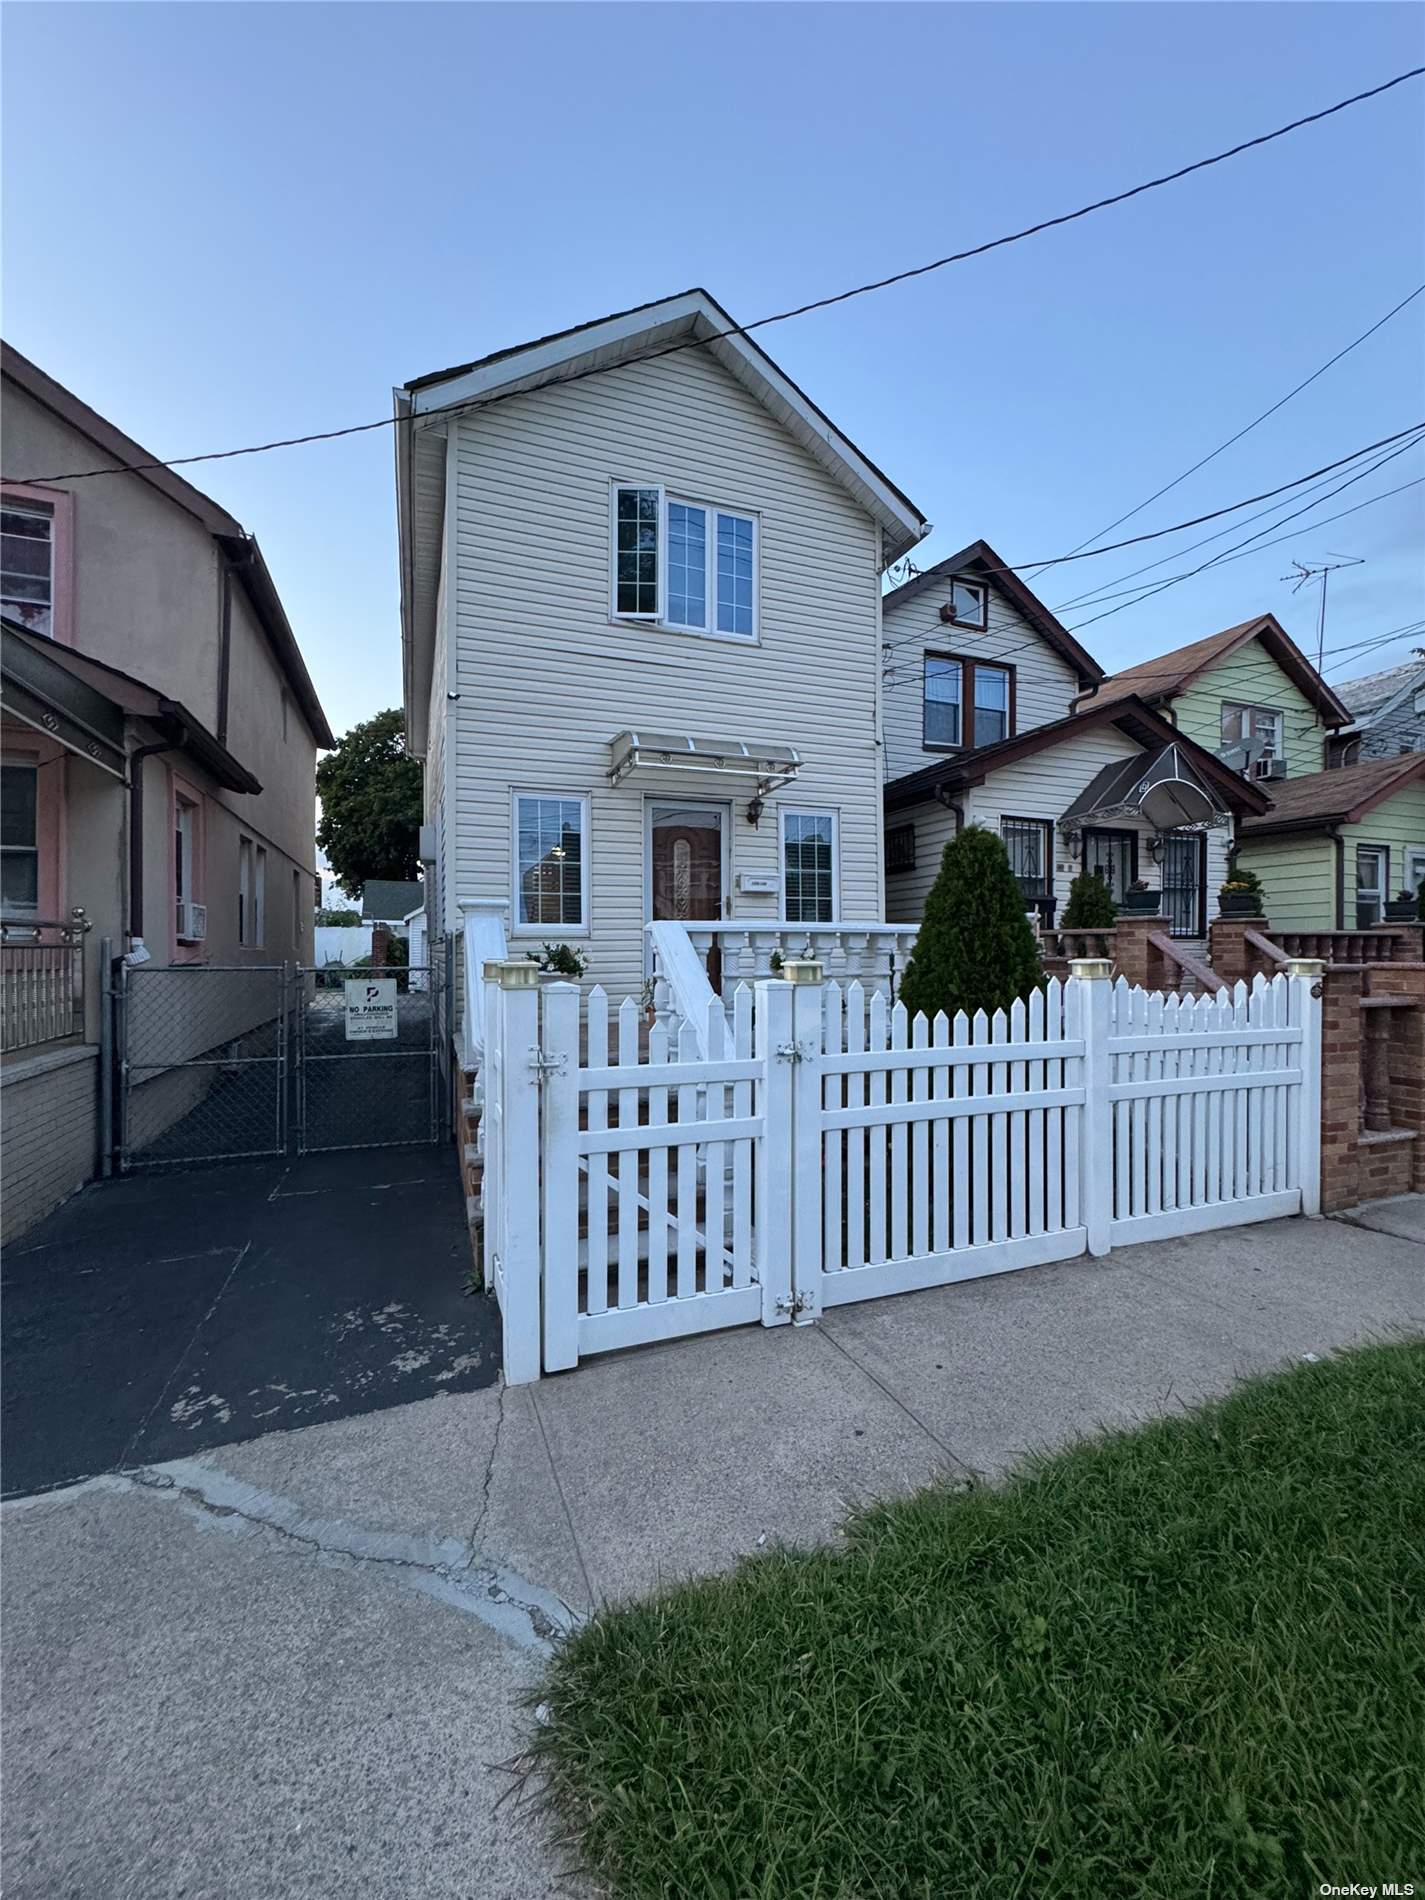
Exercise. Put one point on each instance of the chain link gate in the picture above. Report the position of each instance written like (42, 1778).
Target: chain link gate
(203, 1063)
(368, 1071)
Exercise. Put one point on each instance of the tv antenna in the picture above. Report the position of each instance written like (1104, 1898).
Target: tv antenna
(1321, 571)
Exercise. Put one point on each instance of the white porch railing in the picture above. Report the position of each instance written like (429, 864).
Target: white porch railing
(484, 942)
(684, 963)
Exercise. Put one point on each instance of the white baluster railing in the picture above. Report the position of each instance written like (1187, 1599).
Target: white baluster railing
(873, 954)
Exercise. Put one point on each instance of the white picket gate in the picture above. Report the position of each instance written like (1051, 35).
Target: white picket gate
(827, 1148)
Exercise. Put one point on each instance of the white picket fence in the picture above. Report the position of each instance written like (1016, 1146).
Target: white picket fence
(808, 1145)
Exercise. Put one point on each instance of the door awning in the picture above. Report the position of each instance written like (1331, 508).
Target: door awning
(1164, 792)
(766, 765)
(40, 693)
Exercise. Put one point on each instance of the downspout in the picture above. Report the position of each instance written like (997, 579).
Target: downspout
(136, 764)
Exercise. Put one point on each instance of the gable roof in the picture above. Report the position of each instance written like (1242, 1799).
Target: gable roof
(1373, 694)
(1341, 796)
(691, 318)
(980, 559)
(1169, 674)
(387, 900)
(1138, 721)
(240, 547)
(658, 328)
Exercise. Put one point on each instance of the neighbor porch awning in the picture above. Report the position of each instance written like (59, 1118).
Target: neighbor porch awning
(1164, 792)
(767, 765)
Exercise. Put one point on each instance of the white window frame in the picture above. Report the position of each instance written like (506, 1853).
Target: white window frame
(14, 601)
(981, 624)
(1378, 892)
(1247, 716)
(710, 510)
(551, 932)
(22, 763)
(784, 812)
(1414, 867)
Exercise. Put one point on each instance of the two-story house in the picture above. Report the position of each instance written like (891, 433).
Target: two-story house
(641, 627)
(986, 723)
(159, 752)
(1336, 844)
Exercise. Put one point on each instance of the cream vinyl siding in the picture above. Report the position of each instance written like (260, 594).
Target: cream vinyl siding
(546, 678)
(1043, 786)
(1045, 684)
(1251, 677)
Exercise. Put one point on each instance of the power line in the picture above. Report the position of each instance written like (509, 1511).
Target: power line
(1221, 560)
(1162, 586)
(1212, 455)
(781, 316)
(1105, 590)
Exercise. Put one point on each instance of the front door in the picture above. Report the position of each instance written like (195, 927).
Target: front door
(1113, 855)
(1184, 859)
(685, 866)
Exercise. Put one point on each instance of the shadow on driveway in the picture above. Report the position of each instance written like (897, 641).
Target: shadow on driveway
(157, 1316)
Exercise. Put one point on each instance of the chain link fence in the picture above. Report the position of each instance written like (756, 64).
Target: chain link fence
(357, 1093)
(204, 1063)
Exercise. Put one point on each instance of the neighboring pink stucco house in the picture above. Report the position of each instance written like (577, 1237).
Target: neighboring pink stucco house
(160, 735)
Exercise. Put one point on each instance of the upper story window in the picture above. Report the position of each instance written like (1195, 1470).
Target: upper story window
(968, 605)
(685, 564)
(900, 848)
(27, 565)
(950, 685)
(1263, 723)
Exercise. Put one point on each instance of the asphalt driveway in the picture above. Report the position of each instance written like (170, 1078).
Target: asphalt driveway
(157, 1316)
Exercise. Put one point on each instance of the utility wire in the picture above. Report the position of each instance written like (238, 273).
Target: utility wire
(1212, 455)
(1161, 586)
(781, 316)
(1239, 554)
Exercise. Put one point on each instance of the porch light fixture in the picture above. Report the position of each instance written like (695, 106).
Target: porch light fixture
(754, 812)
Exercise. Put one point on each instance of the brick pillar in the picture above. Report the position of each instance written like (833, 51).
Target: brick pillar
(380, 937)
(1227, 947)
(1409, 942)
(1133, 956)
(1341, 1045)
(1407, 1063)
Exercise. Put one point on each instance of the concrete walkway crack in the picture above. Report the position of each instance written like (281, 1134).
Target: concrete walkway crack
(489, 1479)
(518, 1608)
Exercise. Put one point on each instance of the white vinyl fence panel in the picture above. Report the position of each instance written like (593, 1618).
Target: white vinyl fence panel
(807, 1145)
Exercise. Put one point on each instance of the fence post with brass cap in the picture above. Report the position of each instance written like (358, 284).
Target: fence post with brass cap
(1088, 1001)
(516, 995)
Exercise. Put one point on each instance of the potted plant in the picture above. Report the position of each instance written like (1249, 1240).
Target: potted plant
(1403, 908)
(559, 962)
(1241, 895)
(1139, 901)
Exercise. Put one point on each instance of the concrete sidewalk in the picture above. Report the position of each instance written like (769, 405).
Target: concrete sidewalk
(296, 1665)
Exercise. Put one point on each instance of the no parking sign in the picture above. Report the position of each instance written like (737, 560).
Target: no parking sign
(370, 1009)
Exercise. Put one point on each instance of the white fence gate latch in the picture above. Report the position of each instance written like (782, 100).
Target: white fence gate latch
(544, 1065)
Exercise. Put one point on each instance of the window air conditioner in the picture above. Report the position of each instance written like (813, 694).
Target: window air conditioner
(192, 923)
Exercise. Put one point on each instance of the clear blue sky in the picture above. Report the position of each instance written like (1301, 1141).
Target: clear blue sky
(225, 223)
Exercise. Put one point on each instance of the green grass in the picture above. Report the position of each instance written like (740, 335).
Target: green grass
(1183, 1663)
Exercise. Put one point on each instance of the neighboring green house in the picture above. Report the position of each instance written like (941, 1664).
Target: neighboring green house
(1249, 687)
(1337, 846)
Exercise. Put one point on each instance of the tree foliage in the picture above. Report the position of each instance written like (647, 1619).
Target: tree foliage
(976, 949)
(337, 919)
(1090, 905)
(371, 804)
